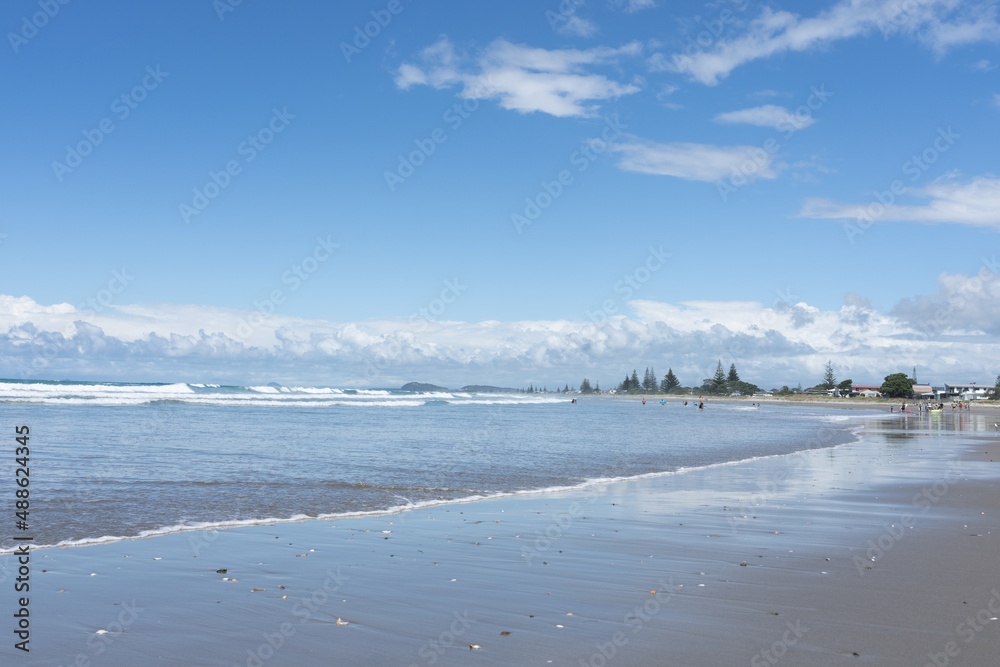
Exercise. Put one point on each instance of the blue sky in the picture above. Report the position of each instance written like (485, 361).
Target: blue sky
(504, 192)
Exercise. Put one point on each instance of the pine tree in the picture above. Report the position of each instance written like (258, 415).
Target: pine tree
(733, 375)
(634, 383)
(649, 380)
(585, 386)
(597, 386)
(718, 385)
(829, 381)
(670, 382)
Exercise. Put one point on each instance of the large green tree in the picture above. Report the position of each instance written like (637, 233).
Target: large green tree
(670, 382)
(733, 375)
(897, 385)
(585, 387)
(744, 388)
(845, 386)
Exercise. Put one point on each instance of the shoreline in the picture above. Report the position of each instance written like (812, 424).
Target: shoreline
(725, 565)
(403, 509)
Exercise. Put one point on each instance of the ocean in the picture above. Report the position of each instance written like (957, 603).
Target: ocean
(111, 461)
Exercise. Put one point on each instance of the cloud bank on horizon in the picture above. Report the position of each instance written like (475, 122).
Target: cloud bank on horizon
(784, 342)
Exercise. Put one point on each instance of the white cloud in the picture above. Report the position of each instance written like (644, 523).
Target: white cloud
(983, 65)
(940, 24)
(693, 162)
(954, 331)
(575, 25)
(963, 305)
(975, 203)
(996, 100)
(523, 78)
(768, 115)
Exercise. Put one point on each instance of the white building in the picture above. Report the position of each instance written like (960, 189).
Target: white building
(971, 391)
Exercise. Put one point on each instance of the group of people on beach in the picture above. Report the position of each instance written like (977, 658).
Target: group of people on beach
(927, 407)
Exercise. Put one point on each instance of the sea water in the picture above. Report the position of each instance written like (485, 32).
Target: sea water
(112, 460)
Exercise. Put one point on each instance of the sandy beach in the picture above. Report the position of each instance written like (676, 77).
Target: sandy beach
(879, 552)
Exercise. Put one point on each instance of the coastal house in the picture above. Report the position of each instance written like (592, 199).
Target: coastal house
(866, 390)
(923, 391)
(970, 391)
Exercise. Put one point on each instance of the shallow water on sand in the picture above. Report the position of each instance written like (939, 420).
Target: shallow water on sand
(106, 464)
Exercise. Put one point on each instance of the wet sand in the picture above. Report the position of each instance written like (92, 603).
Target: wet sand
(881, 552)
